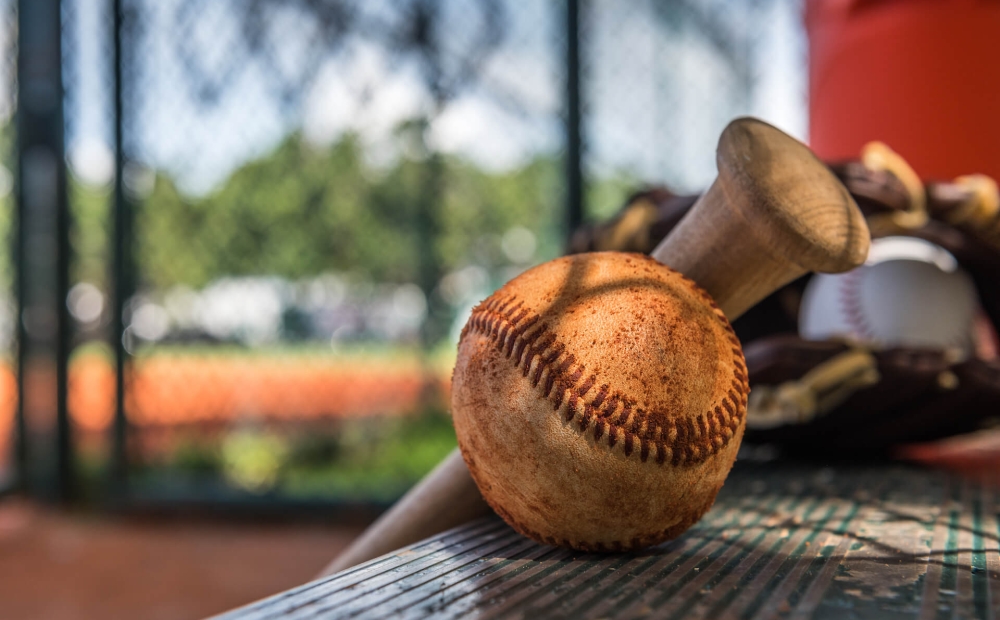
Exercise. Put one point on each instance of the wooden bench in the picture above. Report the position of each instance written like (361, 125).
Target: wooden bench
(781, 541)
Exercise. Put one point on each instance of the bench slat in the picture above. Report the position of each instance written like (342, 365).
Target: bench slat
(782, 541)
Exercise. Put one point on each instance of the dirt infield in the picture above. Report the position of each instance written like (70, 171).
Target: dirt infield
(184, 389)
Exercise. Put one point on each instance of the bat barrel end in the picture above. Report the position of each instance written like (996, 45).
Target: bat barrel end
(791, 201)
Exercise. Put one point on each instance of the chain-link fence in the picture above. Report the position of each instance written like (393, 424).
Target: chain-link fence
(662, 79)
(298, 203)
(316, 194)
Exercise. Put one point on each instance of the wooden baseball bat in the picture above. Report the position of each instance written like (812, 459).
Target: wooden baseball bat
(773, 213)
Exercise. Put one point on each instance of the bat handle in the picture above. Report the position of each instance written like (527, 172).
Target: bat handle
(774, 213)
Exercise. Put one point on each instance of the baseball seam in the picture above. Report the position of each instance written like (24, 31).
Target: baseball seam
(857, 312)
(612, 416)
(852, 304)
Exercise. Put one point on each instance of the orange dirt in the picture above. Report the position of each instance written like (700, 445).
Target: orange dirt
(170, 390)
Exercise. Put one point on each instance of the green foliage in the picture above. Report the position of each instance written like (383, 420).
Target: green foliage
(373, 459)
(605, 196)
(365, 459)
(7, 208)
(253, 460)
(7, 242)
(302, 211)
(90, 238)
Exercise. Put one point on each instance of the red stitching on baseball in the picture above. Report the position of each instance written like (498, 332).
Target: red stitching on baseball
(487, 320)
(852, 304)
(684, 441)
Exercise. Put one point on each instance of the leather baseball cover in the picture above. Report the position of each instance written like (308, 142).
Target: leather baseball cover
(619, 378)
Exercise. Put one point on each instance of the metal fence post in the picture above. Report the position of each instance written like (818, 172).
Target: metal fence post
(574, 142)
(121, 265)
(43, 255)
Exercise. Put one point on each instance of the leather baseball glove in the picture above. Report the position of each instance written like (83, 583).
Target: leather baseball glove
(847, 399)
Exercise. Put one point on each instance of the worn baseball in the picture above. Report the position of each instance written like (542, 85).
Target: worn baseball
(599, 401)
(909, 292)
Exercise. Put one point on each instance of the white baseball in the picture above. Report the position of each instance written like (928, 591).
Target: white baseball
(909, 292)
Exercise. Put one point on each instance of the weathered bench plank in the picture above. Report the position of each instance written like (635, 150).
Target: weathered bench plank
(781, 541)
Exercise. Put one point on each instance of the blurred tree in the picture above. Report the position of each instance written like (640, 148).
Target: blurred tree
(446, 45)
(7, 207)
(302, 211)
(89, 207)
